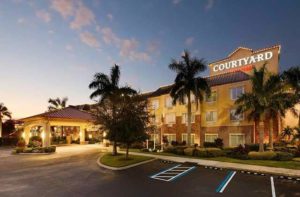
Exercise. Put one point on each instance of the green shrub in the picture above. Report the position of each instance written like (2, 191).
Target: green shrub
(240, 152)
(27, 150)
(170, 149)
(209, 144)
(268, 155)
(19, 149)
(189, 151)
(21, 143)
(200, 152)
(144, 150)
(219, 143)
(208, 152)
(180, 150)
(283, 156)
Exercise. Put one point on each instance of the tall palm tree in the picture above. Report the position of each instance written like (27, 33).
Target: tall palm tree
(3, 112)
(108, 89)
(188, 83)
(292, 80)
(57, 103)
(255, 102)
(287, 132)
(277, 102)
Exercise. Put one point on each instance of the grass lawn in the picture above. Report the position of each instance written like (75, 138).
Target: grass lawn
(120, 161)
(295, 164)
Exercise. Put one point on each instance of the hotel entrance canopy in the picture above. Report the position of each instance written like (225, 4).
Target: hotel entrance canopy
(75, 120)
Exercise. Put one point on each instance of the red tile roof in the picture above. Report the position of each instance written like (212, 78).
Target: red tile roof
(65, 113)
(230, 77)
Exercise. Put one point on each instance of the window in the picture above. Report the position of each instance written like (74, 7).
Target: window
(211, 137)
(212, 97)
(155, 104)
(185, 117)
(236, 139)
(170, 118)
(170, 137)
(184, 138)
(211, 116)
(235, 117)
(169, 101)
(236, 92)
(154, 136)
(192, 99)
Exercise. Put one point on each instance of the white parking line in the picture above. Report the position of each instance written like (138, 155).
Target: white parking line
(273, 187)
(172, 173)
(225, 182)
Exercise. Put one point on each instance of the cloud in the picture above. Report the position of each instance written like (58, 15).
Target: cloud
(209, 4)
(64, 7)
(110, 16)
(51, 31)
(175, 2)
(129, 50)
(89, 39)
(21, 20)
(189, 41)
(69, 47)
(83, 17)
(109, 37)
(43, 15)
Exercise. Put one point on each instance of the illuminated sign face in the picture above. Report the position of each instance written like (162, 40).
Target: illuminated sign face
(243, 63)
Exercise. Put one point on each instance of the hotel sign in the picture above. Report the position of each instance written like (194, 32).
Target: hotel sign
(243, 63)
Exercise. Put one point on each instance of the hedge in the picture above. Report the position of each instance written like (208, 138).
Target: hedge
(262, 155)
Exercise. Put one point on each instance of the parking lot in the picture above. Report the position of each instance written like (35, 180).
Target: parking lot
(79, 175)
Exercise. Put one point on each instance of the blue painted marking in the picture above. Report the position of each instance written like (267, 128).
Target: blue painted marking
(224, 181)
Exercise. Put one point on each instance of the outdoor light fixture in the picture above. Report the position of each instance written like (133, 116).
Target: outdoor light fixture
(43, 135)
(90, 136)
(23, 134)
(104, 134)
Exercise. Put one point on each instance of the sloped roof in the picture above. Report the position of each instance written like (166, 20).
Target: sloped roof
(222, 79)
(65, 113)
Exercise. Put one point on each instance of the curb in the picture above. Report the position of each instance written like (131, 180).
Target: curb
(121, 168)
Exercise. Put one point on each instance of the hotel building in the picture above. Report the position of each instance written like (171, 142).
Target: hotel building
(215, 117)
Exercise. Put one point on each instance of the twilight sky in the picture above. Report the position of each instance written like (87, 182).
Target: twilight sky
(52, 48)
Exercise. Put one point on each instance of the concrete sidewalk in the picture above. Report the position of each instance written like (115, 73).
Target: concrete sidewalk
(219, 164)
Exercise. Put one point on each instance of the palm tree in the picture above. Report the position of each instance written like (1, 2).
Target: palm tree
(3, 112)
(57, 103)
(287, 132)
(108, 89)
(292, 80)
(296, 134)
(188, 83)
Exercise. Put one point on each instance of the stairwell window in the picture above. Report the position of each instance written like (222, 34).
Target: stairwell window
(184, 138)
(170, 118)
(211, 116)
(185, 118)
(236, 92)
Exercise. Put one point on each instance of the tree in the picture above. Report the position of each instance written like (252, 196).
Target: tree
(292, 80)
(188, 83)
(8, 127)
(287, 132)
(108, 89)
(57, 103)
(133, 120)
(3, 113)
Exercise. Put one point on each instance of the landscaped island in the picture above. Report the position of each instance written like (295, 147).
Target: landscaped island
(121, 161)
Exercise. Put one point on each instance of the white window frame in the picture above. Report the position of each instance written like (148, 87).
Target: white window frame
(170, 122)
(210, 134)
(231, 134)
(236, 120)
(211, 120)
(155, 104)
(206, 97)
(231, 96)
(170, 134)
(168, 102)
(192, 137)
(184, 118)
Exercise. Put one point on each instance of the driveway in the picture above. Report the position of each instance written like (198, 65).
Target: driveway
(74, 172)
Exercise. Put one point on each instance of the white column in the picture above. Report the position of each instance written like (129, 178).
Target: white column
(26, 133)
(46, 135)
(82, 135)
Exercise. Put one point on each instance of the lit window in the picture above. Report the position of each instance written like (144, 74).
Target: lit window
(169, 102)
(170, 118)
(155, 104)
(236, 92)
(154, 136)
(211, 116)
(185, 118)
(236, 139)
(235, 117)
(184, 138)
(212, 97)
(170, 137)
(211, 137)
